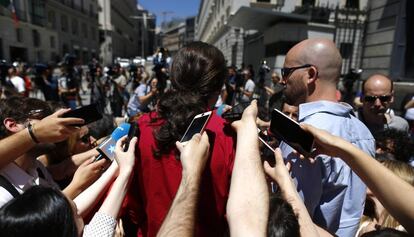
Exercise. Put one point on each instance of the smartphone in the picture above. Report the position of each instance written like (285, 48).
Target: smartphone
(88, 113)
(236, 112)
(133, 129)
(289, 131)
(196, 126)
(265, 139)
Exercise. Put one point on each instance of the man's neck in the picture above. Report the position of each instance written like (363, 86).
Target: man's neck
(25, 162)
(322, 92)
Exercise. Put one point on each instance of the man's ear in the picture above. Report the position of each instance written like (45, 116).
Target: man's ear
(11, 125)
(312, 74)
(392, 97)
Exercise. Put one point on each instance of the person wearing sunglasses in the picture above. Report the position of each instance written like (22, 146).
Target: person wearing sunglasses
(333, 194)
(377, 97)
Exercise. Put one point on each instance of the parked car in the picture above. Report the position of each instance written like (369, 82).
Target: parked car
(124, 62)
(139, 61)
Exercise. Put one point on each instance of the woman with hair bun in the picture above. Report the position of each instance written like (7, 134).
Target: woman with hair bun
(197, 76)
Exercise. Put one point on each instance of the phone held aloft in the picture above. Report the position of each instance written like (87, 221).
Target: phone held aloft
(89, 113)
(289, 131)
(236, 112)
(197, 125)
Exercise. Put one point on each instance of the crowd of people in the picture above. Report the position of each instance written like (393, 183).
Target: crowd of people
(358, 180)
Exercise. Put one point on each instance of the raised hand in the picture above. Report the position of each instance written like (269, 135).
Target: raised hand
(125, 160)
(248, 120)
(54, 129)
(88, 172)
(194, 154)
(325, 143)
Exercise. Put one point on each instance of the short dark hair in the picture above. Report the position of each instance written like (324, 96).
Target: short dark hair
(386, 232)
(401, 145)
(282, 219)
(40, 211)
(19, 108)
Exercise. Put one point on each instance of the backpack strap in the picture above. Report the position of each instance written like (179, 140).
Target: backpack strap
(8, 186)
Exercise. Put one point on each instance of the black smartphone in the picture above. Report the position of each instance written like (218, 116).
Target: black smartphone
(88, 113)
(196, 126)
(131, 133)
(289, 131)
(236, 112)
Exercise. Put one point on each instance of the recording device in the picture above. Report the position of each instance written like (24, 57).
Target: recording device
(107, 148)
(196, 126)
(133, 129)
(235, 113)
(89, 113)
(289, 131)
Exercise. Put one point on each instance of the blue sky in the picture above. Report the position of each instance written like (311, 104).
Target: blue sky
(181, 8)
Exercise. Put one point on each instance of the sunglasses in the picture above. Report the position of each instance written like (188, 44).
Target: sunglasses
(373, 98)
(286, 71)
(85, 138)
(37, 114)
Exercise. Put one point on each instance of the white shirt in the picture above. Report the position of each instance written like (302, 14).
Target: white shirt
(249, 87)
(22, 181)
(18, 83)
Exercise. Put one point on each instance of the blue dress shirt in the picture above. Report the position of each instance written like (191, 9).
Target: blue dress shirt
(333, 194)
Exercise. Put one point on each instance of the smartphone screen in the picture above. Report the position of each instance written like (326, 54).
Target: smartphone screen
(196, 126)
(89, 113)
(290, 132)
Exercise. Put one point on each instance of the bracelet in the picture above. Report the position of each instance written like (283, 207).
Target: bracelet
(31, 133)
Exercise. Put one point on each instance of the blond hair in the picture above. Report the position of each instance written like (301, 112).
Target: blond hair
(406, 173)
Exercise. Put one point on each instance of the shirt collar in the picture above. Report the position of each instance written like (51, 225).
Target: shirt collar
(18, 176)
(323, 106)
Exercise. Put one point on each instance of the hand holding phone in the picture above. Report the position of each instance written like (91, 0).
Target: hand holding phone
(236, 112)
(197, 125)
(133, 129)
(289, 131)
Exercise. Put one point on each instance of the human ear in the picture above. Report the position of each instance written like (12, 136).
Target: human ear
(312, 74)
(11, 125)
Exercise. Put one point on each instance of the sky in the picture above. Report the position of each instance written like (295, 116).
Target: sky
(180, 8)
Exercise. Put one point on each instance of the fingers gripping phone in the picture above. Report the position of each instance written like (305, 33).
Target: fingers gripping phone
(236, 112)
(289, 131)
(133, 131)
(197, 125)
(88, 113)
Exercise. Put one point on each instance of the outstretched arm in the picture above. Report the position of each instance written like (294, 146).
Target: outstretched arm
(126, 161)
(380, 180)
(180, 220)
(50, 129)
(87, 199)
(248, 203)
(280, 174)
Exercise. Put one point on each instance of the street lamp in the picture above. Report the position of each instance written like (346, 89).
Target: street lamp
(144, 17)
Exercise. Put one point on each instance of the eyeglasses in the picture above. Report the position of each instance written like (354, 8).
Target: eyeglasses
(373, 98)
(286, 71)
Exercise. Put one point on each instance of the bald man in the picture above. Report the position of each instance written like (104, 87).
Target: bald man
(332, 192)
(377, 97)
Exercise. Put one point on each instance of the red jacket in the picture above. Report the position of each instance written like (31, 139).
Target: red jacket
(156, 181)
